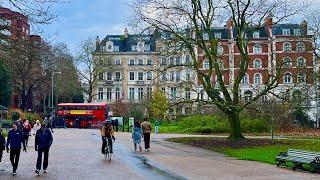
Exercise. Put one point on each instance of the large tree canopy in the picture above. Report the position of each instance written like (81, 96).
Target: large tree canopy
(5, 85)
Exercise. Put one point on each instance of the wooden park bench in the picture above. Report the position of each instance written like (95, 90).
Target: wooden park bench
(300, 158)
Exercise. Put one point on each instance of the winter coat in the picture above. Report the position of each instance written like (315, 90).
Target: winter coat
(15, 139)
(2, 142)
(36, 127)
(146, 127)
(136, 135)
(107, 131)
(43, 139)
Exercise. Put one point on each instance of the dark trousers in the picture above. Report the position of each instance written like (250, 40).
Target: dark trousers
(14, 158)
(104, 143)
(1, 152)
(45, 158)
(146, 137)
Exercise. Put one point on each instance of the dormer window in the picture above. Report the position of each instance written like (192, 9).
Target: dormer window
(116, 48)
(297, 32)
(133, 48)
(109, 46)
(286, 32)
(256, 34)
(217, 35)
(140, 46)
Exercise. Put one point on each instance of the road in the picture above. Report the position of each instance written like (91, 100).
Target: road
(75, 154)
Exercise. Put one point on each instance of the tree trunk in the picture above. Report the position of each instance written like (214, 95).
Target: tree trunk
(235, 128)
(23, 105)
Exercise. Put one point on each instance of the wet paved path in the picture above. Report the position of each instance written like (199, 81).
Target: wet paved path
(75, 154)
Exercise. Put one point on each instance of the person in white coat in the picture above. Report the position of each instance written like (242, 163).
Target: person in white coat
(36, 127)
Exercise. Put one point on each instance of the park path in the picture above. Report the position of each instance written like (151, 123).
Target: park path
(75, 154)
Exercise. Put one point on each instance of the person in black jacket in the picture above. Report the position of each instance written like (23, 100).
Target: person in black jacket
(15, 139)
(2, 144)
(43, 143)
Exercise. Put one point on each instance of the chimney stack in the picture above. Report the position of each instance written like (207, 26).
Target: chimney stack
(97, 43)
(304, 27)
(126, 33)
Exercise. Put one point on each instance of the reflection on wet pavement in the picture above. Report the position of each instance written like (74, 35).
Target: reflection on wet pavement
(140, 163)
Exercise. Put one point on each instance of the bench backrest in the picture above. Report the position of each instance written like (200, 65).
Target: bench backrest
(303, 154)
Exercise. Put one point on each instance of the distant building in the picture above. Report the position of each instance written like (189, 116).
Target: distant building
(270, 45)
(16, 26)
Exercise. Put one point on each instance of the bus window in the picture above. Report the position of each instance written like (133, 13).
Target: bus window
(59, 108)
(99, 107)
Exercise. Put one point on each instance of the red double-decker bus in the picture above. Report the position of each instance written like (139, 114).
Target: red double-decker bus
(83, 115)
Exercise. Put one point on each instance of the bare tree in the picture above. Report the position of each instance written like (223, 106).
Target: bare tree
(91, 70)
(189, 24)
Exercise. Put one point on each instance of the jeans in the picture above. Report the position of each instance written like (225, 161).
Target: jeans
(45, 158)
(14, 158)
(104, 143)
(146, 137)
(156, 129)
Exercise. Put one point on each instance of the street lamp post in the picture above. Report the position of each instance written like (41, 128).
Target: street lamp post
(52, 78)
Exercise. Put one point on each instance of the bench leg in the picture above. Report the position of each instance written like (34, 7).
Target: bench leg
(297, 165)
(279, 163)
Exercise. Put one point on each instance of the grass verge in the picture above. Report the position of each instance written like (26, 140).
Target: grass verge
(261, 150)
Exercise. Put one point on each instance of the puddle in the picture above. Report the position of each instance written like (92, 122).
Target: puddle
(141, 164)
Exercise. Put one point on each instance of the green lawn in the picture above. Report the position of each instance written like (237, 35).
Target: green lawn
(264, 152)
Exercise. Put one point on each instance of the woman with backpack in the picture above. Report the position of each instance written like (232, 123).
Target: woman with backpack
(137, 135)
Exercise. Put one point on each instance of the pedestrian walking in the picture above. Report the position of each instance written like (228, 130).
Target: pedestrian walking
(49, 124)
(156, 127)
(36, 127)
(2, 144)
(20, 124)
(14, 141)
(26, 131)
(43, 143)
(136, 135)
(146, 129)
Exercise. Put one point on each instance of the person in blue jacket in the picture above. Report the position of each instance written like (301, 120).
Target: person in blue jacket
(43, 143)
(14, 141)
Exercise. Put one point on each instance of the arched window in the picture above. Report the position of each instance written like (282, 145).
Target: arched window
(287, 78)
(257, 49)
(287, 47)
(287, 62)
(301, 77)
(257, 63)
(301, 62)
(300, 47)
(257, 78)
(247, 95)
(219, 50)
(245, 79)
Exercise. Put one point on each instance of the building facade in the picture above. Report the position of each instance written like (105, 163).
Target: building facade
(282, 45)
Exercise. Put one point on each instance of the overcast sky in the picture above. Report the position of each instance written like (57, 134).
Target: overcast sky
(81, 19)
